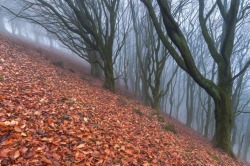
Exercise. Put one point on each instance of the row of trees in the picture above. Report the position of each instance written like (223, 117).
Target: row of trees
(143, 42)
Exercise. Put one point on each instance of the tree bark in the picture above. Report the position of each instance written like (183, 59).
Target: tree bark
(109, 82)
(223, 117)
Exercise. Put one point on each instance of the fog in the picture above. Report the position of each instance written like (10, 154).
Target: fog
(144, 68)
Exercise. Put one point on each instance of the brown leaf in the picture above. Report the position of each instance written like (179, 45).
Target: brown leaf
(4, 162)
(24, 150)
(29, 155)
(56, 156)
(55, 163)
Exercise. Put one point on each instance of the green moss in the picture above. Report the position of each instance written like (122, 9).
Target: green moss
(70, 101)
(170, 127)
(79, 105)
(214, 157)
(160, 118)
(138, 112)
(121, 101)
(155, 113)
(65, 117)
(1, 78)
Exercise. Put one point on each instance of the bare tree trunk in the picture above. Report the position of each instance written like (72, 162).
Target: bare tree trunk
(190, 101)
(208, 116)
(109, 82)
(2, 26)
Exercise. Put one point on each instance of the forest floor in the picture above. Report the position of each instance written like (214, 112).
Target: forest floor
(52, 115)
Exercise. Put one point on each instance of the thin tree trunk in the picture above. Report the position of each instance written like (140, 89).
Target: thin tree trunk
(208, 116)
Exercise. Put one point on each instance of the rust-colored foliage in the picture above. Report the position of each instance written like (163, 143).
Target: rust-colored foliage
(50, 116)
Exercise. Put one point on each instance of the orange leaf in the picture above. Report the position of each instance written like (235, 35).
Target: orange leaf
(80, 146)
(50, 140)
(2, 124)
(123, 148)
(49, 121)
(56, 156)
(107, 151)
(79, 155)
(10, 141)
(23, 134)
(16, 154)
(85, 134)
(47, 161)
(2, 97)
(4, 153)
(16, 135)
(17, 129)
(129, 152)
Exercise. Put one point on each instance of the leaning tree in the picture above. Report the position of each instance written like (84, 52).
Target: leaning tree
(220, 90)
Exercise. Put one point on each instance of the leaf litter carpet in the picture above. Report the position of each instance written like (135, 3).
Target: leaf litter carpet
(51, 116)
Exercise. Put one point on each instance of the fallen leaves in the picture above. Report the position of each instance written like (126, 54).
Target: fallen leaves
(4, 153)
(49, 116)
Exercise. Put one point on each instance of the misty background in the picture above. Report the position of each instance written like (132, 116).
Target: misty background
(144, 68)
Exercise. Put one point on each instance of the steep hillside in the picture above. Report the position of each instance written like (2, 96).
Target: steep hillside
(51, 116)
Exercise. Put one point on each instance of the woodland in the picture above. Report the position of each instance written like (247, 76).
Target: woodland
(188, 60)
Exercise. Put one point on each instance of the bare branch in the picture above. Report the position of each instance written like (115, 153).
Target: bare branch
(243, 70)
(243, 13)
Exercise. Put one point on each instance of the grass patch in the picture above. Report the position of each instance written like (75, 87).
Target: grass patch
(72, 71)
(138, 112)
(170, 127)
(58, 64)
(160, 118)
(214, 157)
(65, 117)
(121, 101)
(155, 113)
(1, 78)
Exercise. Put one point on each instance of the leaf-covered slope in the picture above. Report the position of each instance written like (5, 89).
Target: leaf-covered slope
(51, 116)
